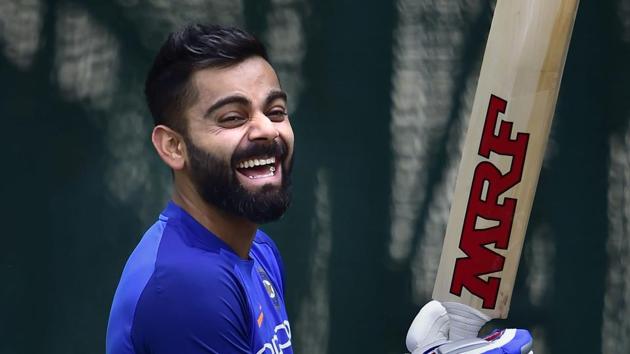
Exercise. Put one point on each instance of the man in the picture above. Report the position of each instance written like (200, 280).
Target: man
(203, 279)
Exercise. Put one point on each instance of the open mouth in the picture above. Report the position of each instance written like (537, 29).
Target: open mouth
(255, 168)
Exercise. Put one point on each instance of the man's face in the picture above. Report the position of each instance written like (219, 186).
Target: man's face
(239, 140)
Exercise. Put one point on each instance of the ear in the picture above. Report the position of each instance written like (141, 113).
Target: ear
(170, 146)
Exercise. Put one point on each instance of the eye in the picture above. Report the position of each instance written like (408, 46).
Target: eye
(232, 120)
(277, 115)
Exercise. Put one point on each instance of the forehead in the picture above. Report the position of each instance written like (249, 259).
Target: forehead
(252, 77)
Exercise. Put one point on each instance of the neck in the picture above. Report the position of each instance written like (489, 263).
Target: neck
(237, 232)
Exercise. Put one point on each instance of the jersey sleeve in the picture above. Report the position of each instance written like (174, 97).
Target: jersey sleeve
(179, 312)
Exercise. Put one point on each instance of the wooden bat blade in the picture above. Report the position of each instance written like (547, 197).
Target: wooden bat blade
(503, 152)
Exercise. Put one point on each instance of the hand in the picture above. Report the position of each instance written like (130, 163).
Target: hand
(453, 328)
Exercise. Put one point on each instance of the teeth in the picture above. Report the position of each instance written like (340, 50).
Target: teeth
(256, 162)
(271, 173)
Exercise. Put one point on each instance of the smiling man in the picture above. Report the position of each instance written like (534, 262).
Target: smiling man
(204, 279)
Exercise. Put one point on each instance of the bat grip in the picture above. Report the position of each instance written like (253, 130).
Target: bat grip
(465, 321)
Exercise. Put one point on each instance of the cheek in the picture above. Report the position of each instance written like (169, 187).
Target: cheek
(286, 132)
(221, 145)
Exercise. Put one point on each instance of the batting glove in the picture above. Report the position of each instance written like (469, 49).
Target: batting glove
(452, 328)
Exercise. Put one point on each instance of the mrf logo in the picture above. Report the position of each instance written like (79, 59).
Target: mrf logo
(487, 185)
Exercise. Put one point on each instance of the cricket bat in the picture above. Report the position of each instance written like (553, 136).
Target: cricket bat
(503, 152)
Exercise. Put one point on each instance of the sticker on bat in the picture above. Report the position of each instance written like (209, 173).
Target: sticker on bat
(485, 203)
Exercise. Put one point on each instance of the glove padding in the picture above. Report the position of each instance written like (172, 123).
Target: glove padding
(452, 328)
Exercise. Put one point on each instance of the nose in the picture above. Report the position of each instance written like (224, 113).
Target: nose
(262, 128)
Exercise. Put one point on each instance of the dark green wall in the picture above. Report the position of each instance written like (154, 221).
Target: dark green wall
(81, 182)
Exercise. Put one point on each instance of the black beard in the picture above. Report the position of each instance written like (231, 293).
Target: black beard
(216, 182)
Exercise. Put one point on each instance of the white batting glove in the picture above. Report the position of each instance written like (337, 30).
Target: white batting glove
(451, 328)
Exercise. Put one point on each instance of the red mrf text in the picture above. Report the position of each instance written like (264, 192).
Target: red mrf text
(482, 203)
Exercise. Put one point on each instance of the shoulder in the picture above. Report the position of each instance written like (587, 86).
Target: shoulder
(182, 273)
(265, 251)
(196, 294)
(136, 274)
(194, 272)
(173, 297)
(264, 244)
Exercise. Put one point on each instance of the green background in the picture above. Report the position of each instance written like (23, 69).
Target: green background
(379, 94)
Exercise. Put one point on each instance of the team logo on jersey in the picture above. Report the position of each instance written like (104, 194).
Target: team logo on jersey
(271, 291)
(269, 288)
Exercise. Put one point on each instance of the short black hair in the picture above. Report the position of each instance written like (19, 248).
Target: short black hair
(167, 87)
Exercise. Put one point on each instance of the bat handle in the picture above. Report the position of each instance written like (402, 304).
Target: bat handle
(465, 321)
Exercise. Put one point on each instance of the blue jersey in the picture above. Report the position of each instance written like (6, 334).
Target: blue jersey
(184, 290)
